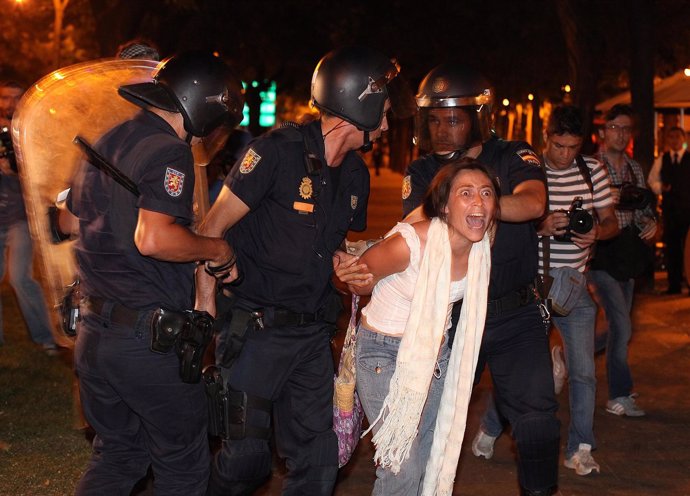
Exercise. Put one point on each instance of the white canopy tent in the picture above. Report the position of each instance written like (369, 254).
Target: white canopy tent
(672, 92)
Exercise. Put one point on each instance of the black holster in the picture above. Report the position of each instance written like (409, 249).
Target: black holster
(192, 344)
(227, 407)
(189, 333)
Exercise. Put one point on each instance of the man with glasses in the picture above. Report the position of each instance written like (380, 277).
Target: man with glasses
(615, 296)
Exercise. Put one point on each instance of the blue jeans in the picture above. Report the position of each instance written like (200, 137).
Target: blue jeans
(15, 244)
(616, 299)
(375, 361)
(577, 332)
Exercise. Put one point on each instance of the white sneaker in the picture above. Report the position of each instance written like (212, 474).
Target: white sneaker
(582, 461)
(483, 445)
(559, 370)
(625, 405)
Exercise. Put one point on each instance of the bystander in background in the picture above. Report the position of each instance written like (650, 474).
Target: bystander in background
(670, 177)
(15, 241)
(614, 288)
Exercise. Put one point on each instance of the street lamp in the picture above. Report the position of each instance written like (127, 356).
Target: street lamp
(59, 6)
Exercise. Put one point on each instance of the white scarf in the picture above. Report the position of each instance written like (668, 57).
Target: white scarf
(417, 357)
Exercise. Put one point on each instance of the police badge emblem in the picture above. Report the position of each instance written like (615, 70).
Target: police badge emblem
(406, 187)
(440, 85)
(249, 162)
(305, 188)
(173, 182)
(353, 202)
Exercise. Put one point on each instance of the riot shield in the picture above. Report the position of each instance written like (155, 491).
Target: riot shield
(78, 100)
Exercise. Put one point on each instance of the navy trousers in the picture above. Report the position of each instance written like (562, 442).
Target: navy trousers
(293, 367)
(516, 348)
(142, 412)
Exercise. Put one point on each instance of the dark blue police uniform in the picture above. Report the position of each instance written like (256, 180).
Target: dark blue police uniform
(284, 248)
(515, 344)
(134, 398)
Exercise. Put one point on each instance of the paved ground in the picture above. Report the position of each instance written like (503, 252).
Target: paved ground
(642, 456)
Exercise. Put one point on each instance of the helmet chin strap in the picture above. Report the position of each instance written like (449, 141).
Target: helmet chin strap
(446, 158)
(368, 144)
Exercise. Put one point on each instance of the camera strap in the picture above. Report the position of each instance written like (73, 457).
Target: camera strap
(587, 175)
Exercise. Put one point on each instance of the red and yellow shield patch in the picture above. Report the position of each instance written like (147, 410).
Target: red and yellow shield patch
(173, 182)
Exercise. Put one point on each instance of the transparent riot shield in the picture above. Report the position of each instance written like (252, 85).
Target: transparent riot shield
(78, 100)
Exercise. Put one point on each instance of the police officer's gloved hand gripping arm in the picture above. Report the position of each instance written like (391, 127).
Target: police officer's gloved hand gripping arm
(225, 213)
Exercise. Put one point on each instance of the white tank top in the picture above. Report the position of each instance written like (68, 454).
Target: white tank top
(389, 307)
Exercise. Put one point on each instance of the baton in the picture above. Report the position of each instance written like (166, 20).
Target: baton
(100, 163)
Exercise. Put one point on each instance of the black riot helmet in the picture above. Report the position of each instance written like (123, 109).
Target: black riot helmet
(198, 85)
(351, 83)
(455, 87)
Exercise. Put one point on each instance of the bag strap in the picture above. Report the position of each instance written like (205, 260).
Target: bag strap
(352, 325)
(585, 172)
(633, 176)
(546, 240)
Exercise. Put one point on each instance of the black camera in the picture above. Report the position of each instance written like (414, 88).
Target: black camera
(579, 221)
(6, 148)
(633, 197)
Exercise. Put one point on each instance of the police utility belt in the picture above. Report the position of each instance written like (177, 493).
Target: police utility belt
(280, 317)
(188, 332)
(512, 301)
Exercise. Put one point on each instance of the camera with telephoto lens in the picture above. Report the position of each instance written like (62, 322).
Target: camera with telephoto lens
(6, 148)
(579, 221)
(633, 197)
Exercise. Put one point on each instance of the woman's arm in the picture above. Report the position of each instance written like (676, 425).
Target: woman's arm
(361, 274)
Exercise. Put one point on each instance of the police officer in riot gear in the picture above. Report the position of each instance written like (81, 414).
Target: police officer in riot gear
(285, 208)
(135, 255)
(454, 121)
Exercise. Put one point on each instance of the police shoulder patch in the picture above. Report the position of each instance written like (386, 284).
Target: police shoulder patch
(529, 156)
(250, 161)
(406, 187)
(173, 182)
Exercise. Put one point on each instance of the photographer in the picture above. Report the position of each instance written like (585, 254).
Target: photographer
(15, 241)
(614, 288)
(564, 244)
(577, 188)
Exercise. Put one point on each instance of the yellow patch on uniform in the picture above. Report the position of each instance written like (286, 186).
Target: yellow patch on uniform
(303, 208)
(249, 162)
(306, 188)
(529, 156)
(406, 187)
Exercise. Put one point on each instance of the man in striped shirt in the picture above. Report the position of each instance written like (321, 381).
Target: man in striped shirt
(570, 176)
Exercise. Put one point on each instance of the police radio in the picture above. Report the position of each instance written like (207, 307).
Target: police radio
(312, 163)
